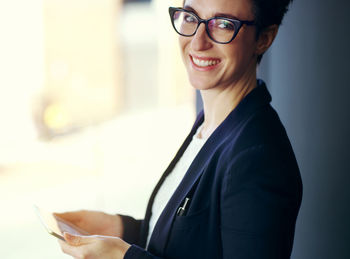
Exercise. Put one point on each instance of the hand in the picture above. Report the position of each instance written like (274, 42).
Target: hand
(94, 247)
(95, 222)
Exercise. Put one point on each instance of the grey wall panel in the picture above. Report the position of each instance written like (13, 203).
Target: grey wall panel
(308, 71)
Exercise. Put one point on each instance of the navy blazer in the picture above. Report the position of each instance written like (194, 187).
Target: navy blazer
(245, 192)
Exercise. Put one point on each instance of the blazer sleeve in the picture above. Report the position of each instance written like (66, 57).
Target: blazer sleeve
(136, 252)
(131, 235)
(132, 228)
(260, 200)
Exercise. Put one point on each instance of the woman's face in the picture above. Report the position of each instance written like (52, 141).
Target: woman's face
(232, 62)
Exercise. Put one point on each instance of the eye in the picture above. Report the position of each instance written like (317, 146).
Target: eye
(225, 25)
(189, 18)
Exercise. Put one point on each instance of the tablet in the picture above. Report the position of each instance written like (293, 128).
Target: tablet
(55, 225)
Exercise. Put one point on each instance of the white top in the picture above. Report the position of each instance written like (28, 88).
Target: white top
(172, 181)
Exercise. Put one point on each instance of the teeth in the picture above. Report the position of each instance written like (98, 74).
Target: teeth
(204, 63)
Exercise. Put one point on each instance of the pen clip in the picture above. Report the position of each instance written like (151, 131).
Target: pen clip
(182, 209)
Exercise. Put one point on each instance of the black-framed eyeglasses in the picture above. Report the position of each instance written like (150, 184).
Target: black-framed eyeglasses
(220, 29)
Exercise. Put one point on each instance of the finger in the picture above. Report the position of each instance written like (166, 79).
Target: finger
(78, 240)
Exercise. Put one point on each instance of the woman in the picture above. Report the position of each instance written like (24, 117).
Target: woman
(233, 189)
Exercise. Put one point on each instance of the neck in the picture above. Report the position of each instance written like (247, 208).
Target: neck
(218, 103)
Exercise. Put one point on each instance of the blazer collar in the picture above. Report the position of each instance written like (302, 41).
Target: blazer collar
(258, 97)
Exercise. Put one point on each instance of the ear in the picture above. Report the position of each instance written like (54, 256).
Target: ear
(266, 38)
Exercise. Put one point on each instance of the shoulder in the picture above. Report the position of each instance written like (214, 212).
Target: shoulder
(261, 129)
(258, 147)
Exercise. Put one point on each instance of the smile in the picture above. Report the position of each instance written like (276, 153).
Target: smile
(205, 62)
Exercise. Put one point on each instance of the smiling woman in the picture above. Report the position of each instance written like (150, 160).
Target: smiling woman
(233, 190)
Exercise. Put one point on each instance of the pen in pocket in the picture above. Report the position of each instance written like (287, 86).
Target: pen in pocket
(182, 210)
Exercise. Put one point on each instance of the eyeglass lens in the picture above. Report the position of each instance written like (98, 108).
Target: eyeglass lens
(220, 30)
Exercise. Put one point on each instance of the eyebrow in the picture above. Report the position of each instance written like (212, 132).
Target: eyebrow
(225, 15)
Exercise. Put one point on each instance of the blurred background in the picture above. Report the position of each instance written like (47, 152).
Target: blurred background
(93, 95)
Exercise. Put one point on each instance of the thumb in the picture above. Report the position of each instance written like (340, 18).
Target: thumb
(75, 240)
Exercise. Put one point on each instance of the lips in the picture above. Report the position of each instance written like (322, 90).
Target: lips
(204, 62)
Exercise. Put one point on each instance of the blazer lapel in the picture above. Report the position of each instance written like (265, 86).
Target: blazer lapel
(145, 227)
(161, 230)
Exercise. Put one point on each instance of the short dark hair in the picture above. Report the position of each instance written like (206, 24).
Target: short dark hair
(267, 13)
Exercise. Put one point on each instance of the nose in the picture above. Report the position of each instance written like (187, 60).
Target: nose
(201, 41)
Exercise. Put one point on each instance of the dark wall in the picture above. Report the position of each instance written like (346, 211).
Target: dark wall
(308, 72)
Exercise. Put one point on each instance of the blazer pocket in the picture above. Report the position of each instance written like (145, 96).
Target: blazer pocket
(191, 220)
(188, 236)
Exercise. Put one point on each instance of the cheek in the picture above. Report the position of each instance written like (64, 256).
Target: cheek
(243, 50)
(249, 42)
(239, 55)
(183, 43)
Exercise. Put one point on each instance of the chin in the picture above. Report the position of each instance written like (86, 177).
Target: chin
(201, 84)
(203, 80)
